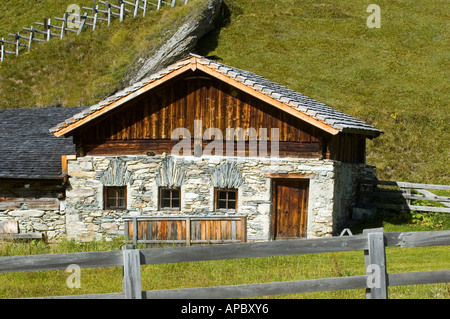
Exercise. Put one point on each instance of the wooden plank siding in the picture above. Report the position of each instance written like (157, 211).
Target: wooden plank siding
(346, 147)
(186, 230)
(146, 123)
(136, 147)
(34, 194)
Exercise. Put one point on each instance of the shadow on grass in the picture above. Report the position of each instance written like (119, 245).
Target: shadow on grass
(394, 221)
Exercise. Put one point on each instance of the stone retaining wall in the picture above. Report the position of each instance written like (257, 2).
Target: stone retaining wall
(50, 222)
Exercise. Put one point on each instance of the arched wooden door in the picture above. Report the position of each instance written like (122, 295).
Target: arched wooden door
(290, 208)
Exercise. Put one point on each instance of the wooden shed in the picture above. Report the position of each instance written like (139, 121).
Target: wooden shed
(31, 176)
(200, 138)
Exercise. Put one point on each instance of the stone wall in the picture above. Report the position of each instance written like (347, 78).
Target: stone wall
(52, 223)
(332, 190)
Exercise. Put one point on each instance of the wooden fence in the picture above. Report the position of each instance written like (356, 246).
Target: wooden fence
(76, 22)
(373, 242)
(403, 195)
(186, 230)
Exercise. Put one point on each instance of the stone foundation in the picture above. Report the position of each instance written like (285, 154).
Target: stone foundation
(52, 223)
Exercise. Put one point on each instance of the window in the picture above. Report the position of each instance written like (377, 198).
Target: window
(115, 197)
(169, 198)
(226, 199)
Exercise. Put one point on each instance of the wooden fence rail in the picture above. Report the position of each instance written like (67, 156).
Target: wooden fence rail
(46, 30)
(372, 242)
(405, 192)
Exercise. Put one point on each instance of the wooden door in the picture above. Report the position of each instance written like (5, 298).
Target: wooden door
(290, 208)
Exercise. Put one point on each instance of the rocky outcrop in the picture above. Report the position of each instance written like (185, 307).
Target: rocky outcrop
(181, 43)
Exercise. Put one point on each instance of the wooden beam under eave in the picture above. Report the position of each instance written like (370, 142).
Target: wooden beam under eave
(123, 100)
(269, 100)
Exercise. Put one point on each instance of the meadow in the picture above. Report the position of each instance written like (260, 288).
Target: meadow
(229, 272)
(394, 77)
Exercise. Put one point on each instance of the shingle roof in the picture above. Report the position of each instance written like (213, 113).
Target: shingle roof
(298, 101)
(295, 100)
(28, 150)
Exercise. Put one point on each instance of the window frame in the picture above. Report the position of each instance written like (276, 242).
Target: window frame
(161, 191)
(119, 190)
(217, 199)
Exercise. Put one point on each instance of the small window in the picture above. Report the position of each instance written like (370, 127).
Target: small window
(226, 199)
(169, 198)
(115, 197)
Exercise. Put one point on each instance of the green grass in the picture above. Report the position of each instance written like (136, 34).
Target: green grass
(81, 70)
(223, 272)
(14, 15)
(395, 77)
(395, 221)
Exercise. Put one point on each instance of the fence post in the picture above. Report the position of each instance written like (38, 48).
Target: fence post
(136, 7)
(131, 273)
(243, 229)
(48, 29)
(122, 10)
(95, 12)
(135, 231)
(188, 231)
(406, 192)
(108, 9)
(144, 8)
(64, 25)
(17, 43)
(375, 263)
(2, 50)
(83, 22)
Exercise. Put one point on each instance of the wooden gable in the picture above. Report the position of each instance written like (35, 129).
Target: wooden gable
(145, 124)
(141, 119)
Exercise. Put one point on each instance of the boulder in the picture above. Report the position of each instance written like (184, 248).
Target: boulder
(9, 227)
(181, 43)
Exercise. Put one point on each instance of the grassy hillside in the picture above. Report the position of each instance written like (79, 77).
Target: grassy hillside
(395, 78)
(81, 70)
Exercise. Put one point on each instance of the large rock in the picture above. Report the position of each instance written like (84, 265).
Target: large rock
(40, 227)
(182, 42)
(27, 213)
(9, 227)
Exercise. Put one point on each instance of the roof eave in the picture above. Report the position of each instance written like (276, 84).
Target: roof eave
(369, 133)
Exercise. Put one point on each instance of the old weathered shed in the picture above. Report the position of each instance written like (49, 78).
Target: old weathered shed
(201, 149)
(200, 138)
(31, 175)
